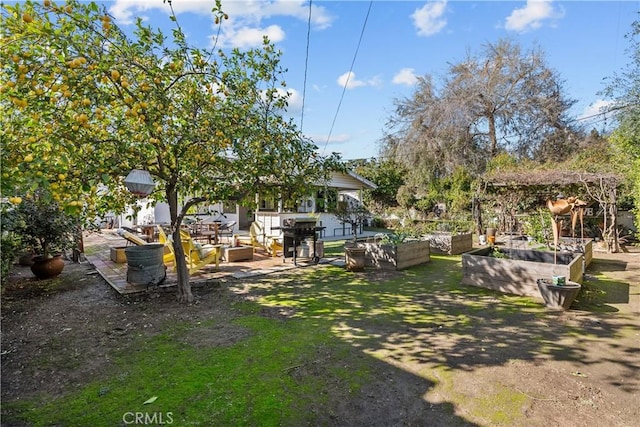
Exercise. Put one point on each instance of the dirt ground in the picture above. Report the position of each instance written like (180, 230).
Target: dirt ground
(57, 334)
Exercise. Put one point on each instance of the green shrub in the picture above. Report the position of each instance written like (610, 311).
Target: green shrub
(538, 225)
(9, 247)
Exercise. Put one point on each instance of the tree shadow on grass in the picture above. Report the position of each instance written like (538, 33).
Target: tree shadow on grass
(421, 323)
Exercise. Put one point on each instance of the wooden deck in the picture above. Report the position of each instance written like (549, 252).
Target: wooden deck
(97, 249)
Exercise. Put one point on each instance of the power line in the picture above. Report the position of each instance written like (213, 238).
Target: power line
(344, 89)
(306, 66)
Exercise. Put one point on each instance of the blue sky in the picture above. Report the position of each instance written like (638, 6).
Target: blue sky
(583, 40)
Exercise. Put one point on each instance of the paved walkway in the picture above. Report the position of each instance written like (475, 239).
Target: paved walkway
(97, 249)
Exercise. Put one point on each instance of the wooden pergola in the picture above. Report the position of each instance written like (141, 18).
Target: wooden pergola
(510, 190)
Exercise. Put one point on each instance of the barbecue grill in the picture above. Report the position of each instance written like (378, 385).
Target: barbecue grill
(297, 230)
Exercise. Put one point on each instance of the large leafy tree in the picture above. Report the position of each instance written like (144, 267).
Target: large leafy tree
(388, 176)
(504, 99)
(624, 89)
(83, 104)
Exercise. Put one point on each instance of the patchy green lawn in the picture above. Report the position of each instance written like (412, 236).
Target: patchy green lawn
(322, 346)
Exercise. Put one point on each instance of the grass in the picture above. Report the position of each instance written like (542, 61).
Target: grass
(248, 383)
(333, 248)
(290, 370)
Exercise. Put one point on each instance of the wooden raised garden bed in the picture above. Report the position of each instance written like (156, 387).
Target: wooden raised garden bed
(518, 273)
(451, 244)
(392, 257)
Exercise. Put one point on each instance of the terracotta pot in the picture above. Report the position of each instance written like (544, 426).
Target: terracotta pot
(47, 268)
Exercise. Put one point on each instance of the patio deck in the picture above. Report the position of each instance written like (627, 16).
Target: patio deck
(97, 247)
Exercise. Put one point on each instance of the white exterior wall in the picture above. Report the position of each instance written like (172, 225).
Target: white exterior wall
(159, 214)
(333, 227)
(344, 182)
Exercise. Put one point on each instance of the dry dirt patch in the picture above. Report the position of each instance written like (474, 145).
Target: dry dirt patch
(56, 335)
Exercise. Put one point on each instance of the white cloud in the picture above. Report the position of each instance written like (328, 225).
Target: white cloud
(406, 76)
(294, 99)
(246, 37)
(245, 26)
(125, 11)
(339, 139)
(593, 110)
(350, 81)
(531, 16)
(428, 19)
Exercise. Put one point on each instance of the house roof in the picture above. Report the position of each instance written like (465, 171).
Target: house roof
(349, 181)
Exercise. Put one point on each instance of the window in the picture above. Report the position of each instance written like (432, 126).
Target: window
(229, 206)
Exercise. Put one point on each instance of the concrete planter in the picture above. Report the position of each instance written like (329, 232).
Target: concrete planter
(392, 257)
(558, 297)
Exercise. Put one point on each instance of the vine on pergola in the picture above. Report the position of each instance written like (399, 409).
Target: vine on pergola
(511, 192)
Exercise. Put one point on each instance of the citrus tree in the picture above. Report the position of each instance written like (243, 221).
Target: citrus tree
(83, 104)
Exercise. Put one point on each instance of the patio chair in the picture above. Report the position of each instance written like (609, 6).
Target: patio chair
(226, 230)
(132, 238)
(196, 255)
(259, 239)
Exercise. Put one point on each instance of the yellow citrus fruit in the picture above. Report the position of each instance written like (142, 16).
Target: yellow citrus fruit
(28, 158)
(115, 74)
(15, 200)
(27, 18)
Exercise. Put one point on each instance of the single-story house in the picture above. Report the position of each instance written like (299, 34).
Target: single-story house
(269, 211)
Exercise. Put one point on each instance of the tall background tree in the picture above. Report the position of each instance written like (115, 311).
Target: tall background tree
(83, 104)
(624, 89)
(388, 175)
(501, 100)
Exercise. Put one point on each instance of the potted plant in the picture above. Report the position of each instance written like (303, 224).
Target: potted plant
(45, 226)
(352, 212)
(492, 230)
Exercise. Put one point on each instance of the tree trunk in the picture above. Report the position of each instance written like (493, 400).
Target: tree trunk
(609, 234)
(184, 287)
(492, 135)
(477, 215)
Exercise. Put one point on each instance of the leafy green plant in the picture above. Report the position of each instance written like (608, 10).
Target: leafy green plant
(497, 253)
(395, 238)
(9, 246)
(351, 211)
(41, 223)
(538, 226)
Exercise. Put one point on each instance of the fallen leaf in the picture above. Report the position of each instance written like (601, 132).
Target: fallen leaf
(150, 400)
